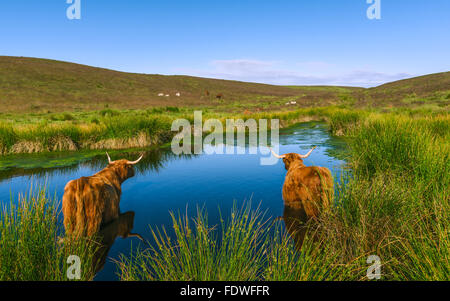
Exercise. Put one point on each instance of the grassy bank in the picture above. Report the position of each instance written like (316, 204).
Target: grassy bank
(111, 129)
(29, 248)
(395, 205)
(99, 130)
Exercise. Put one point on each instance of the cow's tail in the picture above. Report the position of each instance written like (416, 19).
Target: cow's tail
(69, 206)
(80, 215)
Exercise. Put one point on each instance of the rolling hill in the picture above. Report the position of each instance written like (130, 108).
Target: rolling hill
(39, 85)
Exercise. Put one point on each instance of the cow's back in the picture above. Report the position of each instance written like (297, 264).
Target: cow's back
(312, 187)
(88, 203)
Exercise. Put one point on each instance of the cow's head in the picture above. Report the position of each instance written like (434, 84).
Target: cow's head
(288, 159)
(123, 168)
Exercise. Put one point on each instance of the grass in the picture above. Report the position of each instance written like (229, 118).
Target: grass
(114, 131)
(196, 255)
(394, 204)
(248, 247)
(30, 251)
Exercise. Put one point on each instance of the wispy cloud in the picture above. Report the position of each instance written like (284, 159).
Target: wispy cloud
(304, 73)
(242, 67)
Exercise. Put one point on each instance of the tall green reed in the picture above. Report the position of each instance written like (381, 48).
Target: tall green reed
(29, 244)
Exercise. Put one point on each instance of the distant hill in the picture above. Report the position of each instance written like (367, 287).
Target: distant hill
(38, 85)
(428, 88)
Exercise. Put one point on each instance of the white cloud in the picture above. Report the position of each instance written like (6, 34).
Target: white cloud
(305, 73)
(242, 67)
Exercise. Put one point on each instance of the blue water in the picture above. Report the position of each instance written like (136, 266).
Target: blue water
(166, 183)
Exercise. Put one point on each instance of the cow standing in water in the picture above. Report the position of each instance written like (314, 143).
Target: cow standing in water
(92, 202)
(307, 187)
(307, 191)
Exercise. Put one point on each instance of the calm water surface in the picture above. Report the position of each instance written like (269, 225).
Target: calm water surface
(166, 183)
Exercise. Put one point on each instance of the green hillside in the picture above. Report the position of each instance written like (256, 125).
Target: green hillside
(41, 85)
(428, 89)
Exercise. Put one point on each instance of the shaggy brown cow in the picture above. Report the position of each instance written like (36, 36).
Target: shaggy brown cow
(306, 188)
(91, 202)
(219, 96)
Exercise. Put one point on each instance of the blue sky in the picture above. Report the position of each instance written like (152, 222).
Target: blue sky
(326, 42)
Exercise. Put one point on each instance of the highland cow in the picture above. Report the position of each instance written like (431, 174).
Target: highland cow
(306, 188)
(92, 202)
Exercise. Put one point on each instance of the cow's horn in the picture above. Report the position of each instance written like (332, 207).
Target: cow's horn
(308, 154)
(137, 161)
(275, 154)
(109, 158)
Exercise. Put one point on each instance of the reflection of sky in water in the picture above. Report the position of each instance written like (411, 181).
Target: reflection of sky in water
(210, 181)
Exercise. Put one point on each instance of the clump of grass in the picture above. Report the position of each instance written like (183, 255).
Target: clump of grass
(397, 204)
(67, 117)
(197, 254)
(316, 261)
(155, 111)
(30, 251)
(43, 136)
(8, 136)
(130, 126)
(172, 109)
(391, 144)
(343, 122)
(423, 253)
(109, 112)
(95, 120)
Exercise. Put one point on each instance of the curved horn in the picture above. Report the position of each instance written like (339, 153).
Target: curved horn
(308, 154)
(137, 161)
(275, 154)
(109, 158)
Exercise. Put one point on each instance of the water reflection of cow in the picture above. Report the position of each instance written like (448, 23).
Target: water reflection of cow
(307, 191)
(120, 227)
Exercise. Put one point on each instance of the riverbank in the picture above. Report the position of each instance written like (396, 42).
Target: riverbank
(115, 130)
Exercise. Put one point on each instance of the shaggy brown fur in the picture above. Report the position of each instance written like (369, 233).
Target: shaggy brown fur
(91, 202)
(306, 188)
